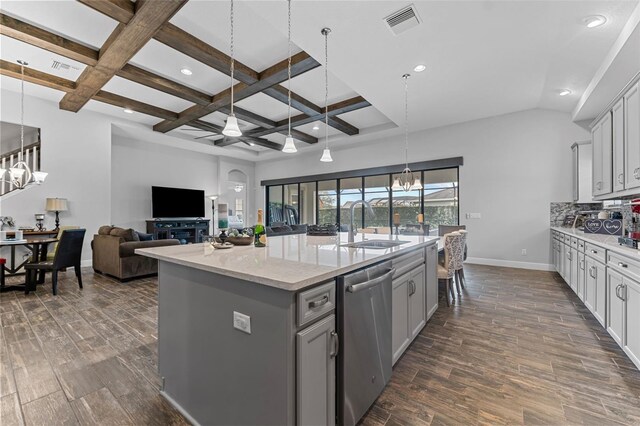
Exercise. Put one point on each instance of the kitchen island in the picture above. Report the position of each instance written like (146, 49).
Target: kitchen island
(249, 335)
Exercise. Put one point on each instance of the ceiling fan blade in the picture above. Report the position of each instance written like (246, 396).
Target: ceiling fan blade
(207, 136)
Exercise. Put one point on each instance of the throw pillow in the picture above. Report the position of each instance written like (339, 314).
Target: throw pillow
(105, 230)
(125, 234)
(145, 237)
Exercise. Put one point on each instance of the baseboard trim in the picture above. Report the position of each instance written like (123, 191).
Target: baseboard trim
(86, 263)
(179, 408)
(511, 264)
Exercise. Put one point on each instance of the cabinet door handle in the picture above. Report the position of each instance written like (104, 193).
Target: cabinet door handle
(622, 265)
(618, 291)
(623, 287)
(336, 344)
(569, 255)
(636, 173)
(592, 272)
(620, 178)
(582, 265)
(318, 303)
(599, 185)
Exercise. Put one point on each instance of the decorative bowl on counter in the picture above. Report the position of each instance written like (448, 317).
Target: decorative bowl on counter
(237, 241)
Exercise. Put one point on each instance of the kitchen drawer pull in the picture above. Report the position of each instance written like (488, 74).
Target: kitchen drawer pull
(623, 265)
(594, 251)
(317, 303)
(336, 344)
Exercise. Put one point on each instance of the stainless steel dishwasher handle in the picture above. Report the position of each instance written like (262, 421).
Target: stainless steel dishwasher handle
(354, 288)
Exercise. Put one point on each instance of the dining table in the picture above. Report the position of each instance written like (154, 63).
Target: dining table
(38, 248)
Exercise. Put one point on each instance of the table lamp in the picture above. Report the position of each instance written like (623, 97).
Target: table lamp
(56, 205)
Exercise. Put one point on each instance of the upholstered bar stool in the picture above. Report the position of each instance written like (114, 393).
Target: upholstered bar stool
(447, 271)
(460, 258)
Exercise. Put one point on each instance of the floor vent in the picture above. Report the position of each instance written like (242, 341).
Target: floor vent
(403, 20)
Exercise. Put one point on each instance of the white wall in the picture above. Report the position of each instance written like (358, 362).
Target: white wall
(138, 165)
(514, 166)
(226, 165)
(76, 151)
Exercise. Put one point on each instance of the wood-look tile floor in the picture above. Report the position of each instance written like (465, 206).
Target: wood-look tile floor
(520, 348)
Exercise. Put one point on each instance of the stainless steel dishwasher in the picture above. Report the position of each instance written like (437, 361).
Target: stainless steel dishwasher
(364, 327)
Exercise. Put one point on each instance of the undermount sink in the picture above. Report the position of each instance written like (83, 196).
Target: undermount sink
(376, 244)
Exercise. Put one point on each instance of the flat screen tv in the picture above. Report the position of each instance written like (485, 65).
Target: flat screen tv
(176, 202)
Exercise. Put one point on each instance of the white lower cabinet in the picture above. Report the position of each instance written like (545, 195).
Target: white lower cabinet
(573, 266)
(316, 377)
(615, 306)
(408, 309)
(631, 344)
(581, 272)
(595, 288)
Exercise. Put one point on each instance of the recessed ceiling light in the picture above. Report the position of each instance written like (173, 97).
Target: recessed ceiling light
(420, 68)
(594, 21)
(316, 127)
(128, 110)
(564, 92)
(186, 71)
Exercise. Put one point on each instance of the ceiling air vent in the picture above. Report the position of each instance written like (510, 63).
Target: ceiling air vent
(403, 20)
(57, 65)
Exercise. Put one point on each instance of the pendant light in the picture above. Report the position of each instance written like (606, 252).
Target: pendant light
(20, 174)
(231, 127)
(289, 144)
(406, 181)
(326, 154)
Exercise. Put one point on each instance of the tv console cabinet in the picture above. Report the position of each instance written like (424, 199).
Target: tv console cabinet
(187, 231)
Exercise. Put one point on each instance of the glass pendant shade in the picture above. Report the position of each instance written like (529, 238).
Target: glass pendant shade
(16, 173)
(39, 177)
(231, 128)
(416, 184)
(326, 156)
(396, 184)
(289, 146)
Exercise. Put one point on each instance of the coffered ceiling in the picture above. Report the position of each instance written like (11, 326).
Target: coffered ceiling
(483, 58)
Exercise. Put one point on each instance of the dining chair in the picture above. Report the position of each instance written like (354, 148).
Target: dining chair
(447, 271)
(53, 247)
(68, 254)
(446, 229)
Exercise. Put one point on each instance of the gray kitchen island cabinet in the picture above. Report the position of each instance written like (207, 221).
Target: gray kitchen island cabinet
(249, 336)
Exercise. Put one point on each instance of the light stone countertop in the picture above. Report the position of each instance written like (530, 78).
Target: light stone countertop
(289, 262)
(609, 242)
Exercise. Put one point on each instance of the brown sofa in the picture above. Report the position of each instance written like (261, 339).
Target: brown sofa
(113, 253)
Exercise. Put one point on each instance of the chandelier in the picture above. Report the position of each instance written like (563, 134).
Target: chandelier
(231, 128)
(406, 181)
(289, 144)
(20, 175)
(326, 154)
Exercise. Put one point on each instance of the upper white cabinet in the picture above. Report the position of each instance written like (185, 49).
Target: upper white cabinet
(601, 139)
(619, 166)
(615, 140)
(582, 159)
(631, 136)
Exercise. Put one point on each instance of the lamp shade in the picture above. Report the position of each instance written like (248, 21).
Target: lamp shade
(39, 177)
(56, 205)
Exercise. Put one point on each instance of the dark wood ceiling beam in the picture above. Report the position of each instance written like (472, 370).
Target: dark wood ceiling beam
(128, 40)
(154, 81)
(137, 106)
(226, 141)
(40, 78)
(258, 120)
(54, 82)
(341, 107)
(309, 108)
(47, 40)
(273, 75)
(180, 40)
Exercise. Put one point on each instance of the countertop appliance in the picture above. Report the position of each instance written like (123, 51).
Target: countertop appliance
(364, 327)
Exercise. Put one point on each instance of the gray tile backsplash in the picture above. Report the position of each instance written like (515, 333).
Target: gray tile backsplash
(559, 210)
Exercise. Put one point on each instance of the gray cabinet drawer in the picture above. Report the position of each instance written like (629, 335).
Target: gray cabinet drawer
(316, 302)
(595, 252)
(407, 262)
(574, 242)
(624, 264)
